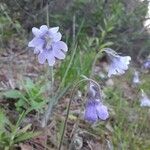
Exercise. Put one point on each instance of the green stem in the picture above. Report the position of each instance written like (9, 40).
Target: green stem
(50, 104)
(52, 81)
(66, 72)
(86, 79)
(68, 108)
(94, 62)
(47, 13)
(74, 52)
(55, 99)
(14, 132)
(51, 73)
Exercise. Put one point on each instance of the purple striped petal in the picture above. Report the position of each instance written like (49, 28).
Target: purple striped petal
(102, 112)
(54, 29)
(62, 45)
(90, 112)
(57, 37)
(36, 31)
(42, 58)
(50, 58)
(118, 64)
(57, 52)
(47, 44)
(36, 42)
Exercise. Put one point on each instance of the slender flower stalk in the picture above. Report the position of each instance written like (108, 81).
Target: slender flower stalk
(70, 101)
(99, 54)
(136, 79)
(95, 110)
(117, 64)
(145, 101)
(68, 111)
(48, 46)
(48, 111)
(146, 64)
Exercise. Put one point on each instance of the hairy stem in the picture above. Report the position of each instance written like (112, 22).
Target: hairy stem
(68, 108)
(94, 62)
(48, 111)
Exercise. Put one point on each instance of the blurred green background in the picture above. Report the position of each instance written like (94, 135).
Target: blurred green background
(118, 23)
(87, 27)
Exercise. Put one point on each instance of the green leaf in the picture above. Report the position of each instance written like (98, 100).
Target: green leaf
(20, 103)
(110, 29)
(26, 136)
(107, 44)
(29, 84)
(3, 120)
(37, 105)
(14, 94)
(23, 130)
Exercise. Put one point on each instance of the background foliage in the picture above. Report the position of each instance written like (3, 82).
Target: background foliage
(88, 26)
(117, 21)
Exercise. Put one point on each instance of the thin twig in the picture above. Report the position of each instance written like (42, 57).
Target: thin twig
(68, 108)
(24, 10)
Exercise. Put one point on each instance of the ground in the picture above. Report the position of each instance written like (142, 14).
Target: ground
(126, 128)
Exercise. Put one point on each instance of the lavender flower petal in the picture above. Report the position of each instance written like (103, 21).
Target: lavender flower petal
(57, 37)
(146, 64)
(51, 59)
(62, 45)
(42, 57)
(36, 31)
(111, 70)
(117, 64)
(54, 29)
(136, 79)
(90, 112)
(36, 42)
(125, 61)
(145, 101)
(102, 112)
(43, 29)
(58, 53)
(47, 44)
(95, 110)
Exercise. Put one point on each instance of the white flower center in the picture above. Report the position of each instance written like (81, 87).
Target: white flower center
(48, 42)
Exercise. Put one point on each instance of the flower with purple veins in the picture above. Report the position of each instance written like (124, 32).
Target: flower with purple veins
(146, 64)
(117, 64)
(93, 91)
(145, 101)
(95, 109)
(48, 45)
(136, 79)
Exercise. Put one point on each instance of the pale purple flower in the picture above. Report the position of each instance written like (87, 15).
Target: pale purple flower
(95, 110)
(146, 64)
(93, 91)
(48, 45)
(145, 101)
(136, 79)
(117, 64)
